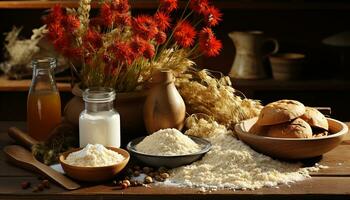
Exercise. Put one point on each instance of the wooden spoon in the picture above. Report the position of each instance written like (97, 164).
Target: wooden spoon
(23, 158)
(21, 138)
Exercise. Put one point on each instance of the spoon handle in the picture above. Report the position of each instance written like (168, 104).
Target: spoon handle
(23, 158)
(54, 175)
(21, 137)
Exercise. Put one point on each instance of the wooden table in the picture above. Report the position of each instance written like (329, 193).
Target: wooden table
(333, 182)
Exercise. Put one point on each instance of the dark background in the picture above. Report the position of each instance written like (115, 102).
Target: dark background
(298, 25)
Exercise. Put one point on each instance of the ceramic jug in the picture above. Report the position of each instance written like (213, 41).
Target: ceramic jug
(164, 106)
(252, 48)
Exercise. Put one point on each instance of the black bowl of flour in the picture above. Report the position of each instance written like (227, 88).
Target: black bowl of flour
(169, 161)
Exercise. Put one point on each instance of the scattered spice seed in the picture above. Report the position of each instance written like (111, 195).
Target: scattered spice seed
(162, 169)
(158, 178)
(133, 183)
(136, 173)
(136, 167)
(152, 174)
(164, 175)
(25, 185)
(148, 180)
(146, 170)
(124, 185)
(127, 182)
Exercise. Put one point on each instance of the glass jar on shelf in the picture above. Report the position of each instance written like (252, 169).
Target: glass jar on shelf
(99, 123)
(43, 102)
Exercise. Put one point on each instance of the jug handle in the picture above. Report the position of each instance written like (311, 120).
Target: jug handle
(275, 48)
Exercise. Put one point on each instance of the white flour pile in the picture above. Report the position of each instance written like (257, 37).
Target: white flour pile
(232, 164)
(94, 156)
(167, 142)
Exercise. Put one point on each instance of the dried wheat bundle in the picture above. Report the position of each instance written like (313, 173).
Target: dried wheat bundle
(215, 97)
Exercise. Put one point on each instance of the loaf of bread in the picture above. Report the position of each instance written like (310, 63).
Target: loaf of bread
(280, 112)
(297, 128)
(290, 119)
(315, 118)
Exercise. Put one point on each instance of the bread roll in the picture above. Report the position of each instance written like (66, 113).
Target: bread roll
(297, 128)
(280, 111)
(315, 118)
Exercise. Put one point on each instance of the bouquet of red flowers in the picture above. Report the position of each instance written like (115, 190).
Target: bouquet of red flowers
(118, 50)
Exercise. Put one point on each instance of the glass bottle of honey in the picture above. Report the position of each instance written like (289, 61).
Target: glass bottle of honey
(43, 103)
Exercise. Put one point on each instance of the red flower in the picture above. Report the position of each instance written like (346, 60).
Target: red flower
(62, 43)
(168, 6)
(199, 6)
(163, 20)
(212, 16)
(122, 19)
(161, 37)
(184, 34)
(92, 40)
(208, 43)
(149, 51)
(71, 23)
(138, 45)
(122, 52)
(56, 14)
(145, 27)
(121, 6)
(55, 30)
(106, 14)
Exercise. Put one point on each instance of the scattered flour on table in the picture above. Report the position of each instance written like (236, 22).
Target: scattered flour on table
(94, 156)
(168, 142)
(234, 165)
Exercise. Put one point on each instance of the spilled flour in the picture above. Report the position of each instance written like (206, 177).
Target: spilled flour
(234, 165)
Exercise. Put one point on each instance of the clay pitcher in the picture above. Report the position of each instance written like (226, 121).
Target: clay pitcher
(251, 49)
(164, 107)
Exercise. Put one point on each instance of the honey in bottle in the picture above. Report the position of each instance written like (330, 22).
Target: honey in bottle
(43, 103)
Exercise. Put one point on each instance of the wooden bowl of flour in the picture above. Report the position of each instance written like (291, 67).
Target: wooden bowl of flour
(94, 174)
(292, 148)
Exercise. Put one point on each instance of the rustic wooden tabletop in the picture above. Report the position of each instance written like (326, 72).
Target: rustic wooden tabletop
(333, 182)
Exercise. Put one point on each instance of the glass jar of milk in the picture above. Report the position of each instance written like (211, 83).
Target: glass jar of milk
(99, 123)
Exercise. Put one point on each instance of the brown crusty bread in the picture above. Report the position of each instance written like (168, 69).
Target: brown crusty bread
(297, 128)
(280, 111)
(315, 118)
(258, 130)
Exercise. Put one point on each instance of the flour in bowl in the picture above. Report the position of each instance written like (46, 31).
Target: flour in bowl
(94, 156)
(168, 142)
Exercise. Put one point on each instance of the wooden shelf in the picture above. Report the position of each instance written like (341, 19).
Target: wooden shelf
(7, 85)
(223, 4)
(296, 85)
(32, 4)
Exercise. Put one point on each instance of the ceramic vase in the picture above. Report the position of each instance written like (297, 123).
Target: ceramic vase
(164, 106)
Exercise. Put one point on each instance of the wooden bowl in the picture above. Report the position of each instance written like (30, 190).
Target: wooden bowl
(292, 148)
(94, 174)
